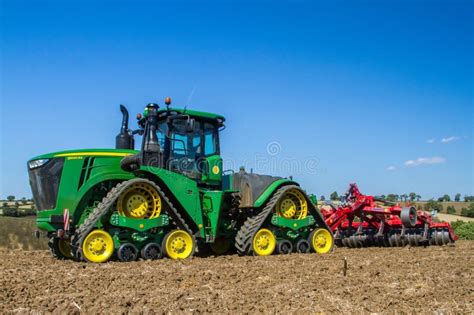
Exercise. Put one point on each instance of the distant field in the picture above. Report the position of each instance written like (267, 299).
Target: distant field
(451, 218)
(17, 233)
(11, 203)
(457, 205)
(22, 205)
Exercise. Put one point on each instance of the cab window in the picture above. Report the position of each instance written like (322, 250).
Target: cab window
(161, 134)
(183, 143)
(210, 139)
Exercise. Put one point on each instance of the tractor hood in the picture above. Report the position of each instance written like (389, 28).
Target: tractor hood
(86, 152)
(45, 171)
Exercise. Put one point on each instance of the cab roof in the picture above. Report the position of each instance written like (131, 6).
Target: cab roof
(195, 113)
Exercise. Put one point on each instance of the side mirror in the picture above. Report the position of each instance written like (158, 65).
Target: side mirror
(190, 125)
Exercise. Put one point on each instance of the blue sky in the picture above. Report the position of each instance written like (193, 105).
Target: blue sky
(374, 92)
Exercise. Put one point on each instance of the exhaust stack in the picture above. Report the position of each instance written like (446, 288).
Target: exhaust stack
(124, 140)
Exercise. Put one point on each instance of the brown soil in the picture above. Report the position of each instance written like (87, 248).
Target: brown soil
(433, 279)
(17, 233)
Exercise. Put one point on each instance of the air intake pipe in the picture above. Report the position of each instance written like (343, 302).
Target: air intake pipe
(124, 140)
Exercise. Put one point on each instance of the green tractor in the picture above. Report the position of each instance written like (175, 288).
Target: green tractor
(171, 198)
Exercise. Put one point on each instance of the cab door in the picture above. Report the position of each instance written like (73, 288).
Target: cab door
(212, 168)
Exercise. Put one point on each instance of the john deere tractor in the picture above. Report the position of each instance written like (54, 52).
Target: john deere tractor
(171, 198)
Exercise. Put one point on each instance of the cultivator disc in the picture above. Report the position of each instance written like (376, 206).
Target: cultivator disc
(412, 238)
(139, 201)
(440, 237)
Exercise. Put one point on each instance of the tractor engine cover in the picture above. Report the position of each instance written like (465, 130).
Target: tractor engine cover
(251, 186)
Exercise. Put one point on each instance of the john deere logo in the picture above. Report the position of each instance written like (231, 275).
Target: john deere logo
(215, 169)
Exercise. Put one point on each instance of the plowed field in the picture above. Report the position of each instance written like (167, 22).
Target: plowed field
(378, 280)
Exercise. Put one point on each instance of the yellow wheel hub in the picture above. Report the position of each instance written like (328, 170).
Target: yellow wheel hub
(322, 241)
(139, 201)
(178, 244)
(264, 242)
(64, 247)
(98, 246)
(292, 205)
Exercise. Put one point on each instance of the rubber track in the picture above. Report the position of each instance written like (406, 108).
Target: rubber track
(243, 239)
(107, 202)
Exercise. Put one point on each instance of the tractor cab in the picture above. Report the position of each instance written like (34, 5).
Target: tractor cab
(190, 144)
(179, 140)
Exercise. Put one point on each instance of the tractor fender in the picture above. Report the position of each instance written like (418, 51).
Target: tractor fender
(268, 192)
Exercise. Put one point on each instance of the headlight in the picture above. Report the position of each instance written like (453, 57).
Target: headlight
(37, 163)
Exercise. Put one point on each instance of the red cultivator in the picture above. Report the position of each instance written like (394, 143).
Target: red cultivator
(359, 222)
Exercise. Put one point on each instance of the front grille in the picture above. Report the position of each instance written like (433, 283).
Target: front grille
(44, 182)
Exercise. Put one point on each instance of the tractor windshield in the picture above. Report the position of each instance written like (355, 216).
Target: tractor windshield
(187, 148)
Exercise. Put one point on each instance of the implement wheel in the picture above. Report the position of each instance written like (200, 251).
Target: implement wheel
(178, 244)
(321, 241)
(408, 215)
(60, 247)
(264, 242)
(292, 205)
(139, 201)
(98, 246)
